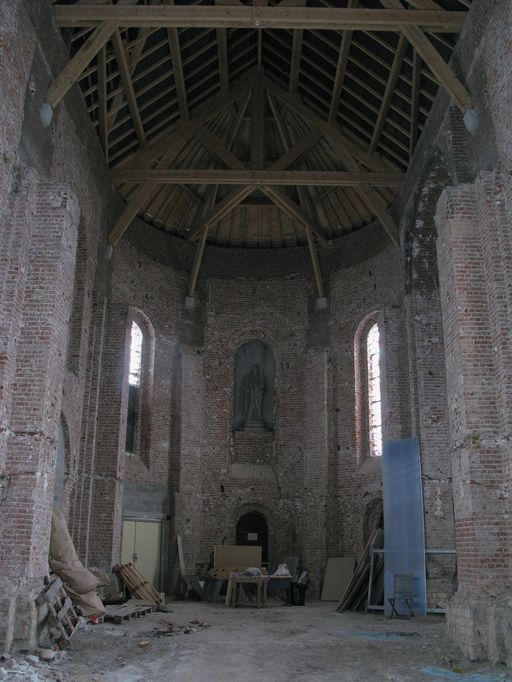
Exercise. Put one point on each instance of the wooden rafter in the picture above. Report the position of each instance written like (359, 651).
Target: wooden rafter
(258, 122)
(346, 149)
(341, 68)
(146, 156)
(289, 206)
(388, 94)
(299, 178)
(212, 191)
(415, 102)
(204, 16)
(71, 72)
(221, 209)
(433, 59)
(102, 99)
(373, 162)
(135, 52)
(126, 79)
(166, 150)
(177, 67)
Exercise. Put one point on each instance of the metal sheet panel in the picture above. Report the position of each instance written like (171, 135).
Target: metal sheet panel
(404, 527)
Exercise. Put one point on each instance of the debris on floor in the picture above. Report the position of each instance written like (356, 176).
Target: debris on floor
(30, 668)
(173, 629)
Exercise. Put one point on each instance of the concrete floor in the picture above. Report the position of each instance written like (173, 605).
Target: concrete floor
(277, 644)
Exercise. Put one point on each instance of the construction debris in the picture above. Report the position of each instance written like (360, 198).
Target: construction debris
(79, 581)
(137, 585)
(172, 629)
(124, 612)
(356, 594)
(61, 619)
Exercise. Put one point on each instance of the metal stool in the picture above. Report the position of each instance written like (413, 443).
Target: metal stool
(403, 593)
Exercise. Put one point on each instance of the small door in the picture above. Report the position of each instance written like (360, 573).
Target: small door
(142, 547)
(252, 529)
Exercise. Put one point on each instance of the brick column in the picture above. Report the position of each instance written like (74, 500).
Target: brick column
(37, 289)
(316, 467)
(104, 534)
(477, 342)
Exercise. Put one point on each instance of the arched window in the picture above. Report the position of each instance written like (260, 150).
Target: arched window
(134, 381)
(368, 386)
(374, 391)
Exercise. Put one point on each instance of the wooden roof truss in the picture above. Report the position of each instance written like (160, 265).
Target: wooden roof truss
(259, 123)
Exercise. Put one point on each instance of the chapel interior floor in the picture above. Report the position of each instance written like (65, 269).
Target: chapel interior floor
(277, 644)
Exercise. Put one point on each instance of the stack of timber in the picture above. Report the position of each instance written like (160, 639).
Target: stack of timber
(137, 585)
(62, 618)
(356, 595)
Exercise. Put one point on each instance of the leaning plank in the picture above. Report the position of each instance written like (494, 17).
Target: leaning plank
(138, 586)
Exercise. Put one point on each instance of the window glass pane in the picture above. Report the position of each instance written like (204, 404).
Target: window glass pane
(135, 355)
(374, 401)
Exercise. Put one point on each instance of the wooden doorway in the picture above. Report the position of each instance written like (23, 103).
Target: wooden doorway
(252, 529)
(141, 546)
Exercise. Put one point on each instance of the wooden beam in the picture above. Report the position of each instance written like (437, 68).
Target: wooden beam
(221, 209)
(297, 150)
(330, 131)
(204, 16)
(124, 72)
(394, 72)
(71, 72)
(177, 67)
(185, 129)
(315, 263)
(423, 4)
(216, 147)
(295, 60)
(243, 176)
(286, 204)
(415, 102)
(177, 70)
(102, 99)
(433, 59)
(285, 135)
(222, 48)
(258, 123)
(341, 68)
(439, 68)
(198, 259)
(348, 154)
(374, 203)
(133, 60)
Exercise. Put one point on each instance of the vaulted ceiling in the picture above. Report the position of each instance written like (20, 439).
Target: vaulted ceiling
(255, 123)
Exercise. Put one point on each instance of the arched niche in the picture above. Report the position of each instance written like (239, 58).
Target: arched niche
(254, 387)
(252, 530)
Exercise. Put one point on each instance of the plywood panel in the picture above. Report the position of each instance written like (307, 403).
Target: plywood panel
(147, 549)
(236, 555)
(338, 573)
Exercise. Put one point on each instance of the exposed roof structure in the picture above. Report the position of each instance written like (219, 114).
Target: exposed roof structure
(259, 124)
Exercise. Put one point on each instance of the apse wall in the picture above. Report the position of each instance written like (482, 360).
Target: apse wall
(305, 473)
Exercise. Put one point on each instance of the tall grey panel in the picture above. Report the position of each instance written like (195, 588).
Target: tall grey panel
(404, 528)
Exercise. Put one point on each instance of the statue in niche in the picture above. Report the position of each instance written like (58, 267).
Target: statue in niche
(255, 385)
(253, 405)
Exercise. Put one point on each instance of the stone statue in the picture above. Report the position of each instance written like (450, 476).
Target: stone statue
(254, 390)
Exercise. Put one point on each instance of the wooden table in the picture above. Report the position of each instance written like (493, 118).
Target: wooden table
(235, 590)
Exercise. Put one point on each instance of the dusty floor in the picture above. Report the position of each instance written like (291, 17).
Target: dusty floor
(277, 644)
